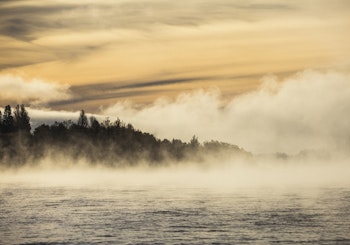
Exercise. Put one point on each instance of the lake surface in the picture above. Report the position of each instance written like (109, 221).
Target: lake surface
(156, 214)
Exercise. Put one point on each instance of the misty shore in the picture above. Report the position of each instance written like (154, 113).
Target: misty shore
(114, 144)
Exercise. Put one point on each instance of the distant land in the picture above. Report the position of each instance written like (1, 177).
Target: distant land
(110, 143)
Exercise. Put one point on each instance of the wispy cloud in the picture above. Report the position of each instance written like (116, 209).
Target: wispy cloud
(158, 44)
(105, 94)
(23, 19)
(65, 29)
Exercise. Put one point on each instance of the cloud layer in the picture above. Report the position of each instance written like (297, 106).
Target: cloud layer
(34, 91)
(26, 20)
(144, 48)
(307, 111)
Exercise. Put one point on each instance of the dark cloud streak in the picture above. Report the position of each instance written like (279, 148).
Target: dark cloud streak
(122, 90)
(21, 21)
(100, 97)
(114, 90)
(117, 90)
(121, 85)
(26, 21)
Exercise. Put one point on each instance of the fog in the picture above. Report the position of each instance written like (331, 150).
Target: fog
(309, 110)
(305, 116)
(221, 174)
(306, 111)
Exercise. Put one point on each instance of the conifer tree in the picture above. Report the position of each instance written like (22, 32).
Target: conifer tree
(8, 122)
(0, 121)
(83, 121)
(94, 123)
(22, 119)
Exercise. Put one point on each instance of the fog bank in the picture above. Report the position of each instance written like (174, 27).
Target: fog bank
(309, 110)
(218, 175)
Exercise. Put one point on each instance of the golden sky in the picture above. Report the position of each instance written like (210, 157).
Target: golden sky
(94, 53)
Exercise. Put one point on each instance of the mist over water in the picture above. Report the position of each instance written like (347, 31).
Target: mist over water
(264, 197)
(224, 174)
(241, 202)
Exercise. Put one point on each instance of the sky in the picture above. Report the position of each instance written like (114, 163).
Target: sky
(187, 63)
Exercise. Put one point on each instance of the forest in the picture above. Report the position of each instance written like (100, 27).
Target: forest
(110, 143)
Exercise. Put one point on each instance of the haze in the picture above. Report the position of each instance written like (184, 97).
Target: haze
(269, 76)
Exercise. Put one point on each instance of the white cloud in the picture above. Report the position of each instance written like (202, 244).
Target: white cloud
(307, 111)
(35, 91)
(47, 116)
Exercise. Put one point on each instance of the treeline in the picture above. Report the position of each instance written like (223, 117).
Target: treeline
(20, 121)
(110, 143)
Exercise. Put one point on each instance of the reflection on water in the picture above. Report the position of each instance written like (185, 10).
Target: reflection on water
(85, 215)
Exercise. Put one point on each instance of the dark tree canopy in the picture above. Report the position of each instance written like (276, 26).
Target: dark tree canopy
(110, 143)
(19, 121)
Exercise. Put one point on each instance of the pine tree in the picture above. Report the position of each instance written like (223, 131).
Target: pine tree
(22, 120)
(0, 121)
(17, 117)
(83, 121)
(8, 122)
(94, 123)
(25, 119)
(194, 143)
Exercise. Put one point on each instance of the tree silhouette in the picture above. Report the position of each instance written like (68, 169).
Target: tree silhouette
(83, 121)
(0, 121)
(94, 124)
(8, 122)
(194, 143)
(111, 143)
(22, 120)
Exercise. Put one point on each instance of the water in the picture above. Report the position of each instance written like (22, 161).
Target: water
(156, 214)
